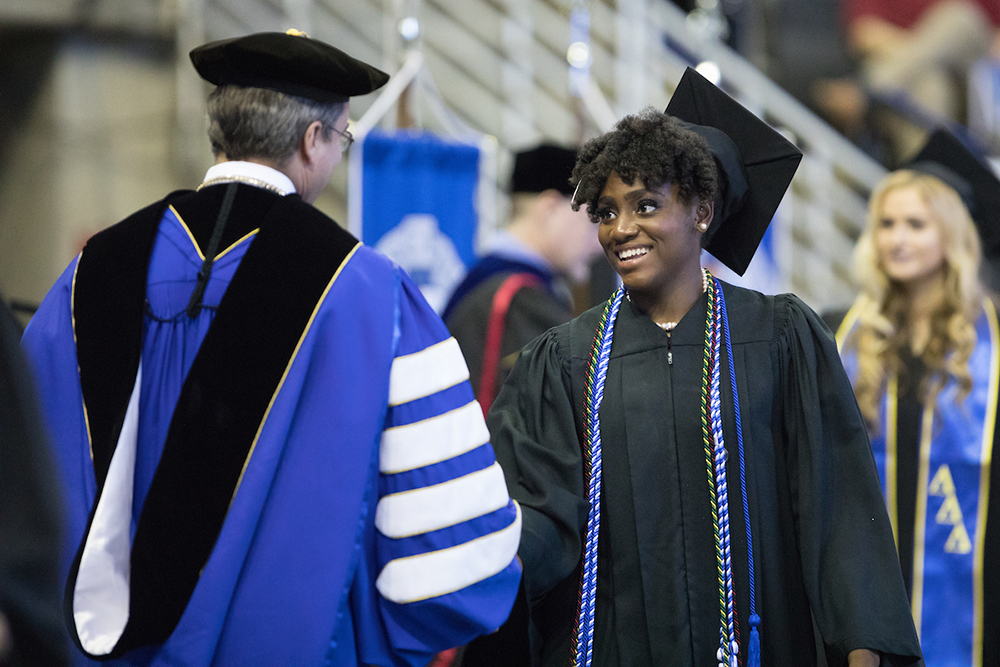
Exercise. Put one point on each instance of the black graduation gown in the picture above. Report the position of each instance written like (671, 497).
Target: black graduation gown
(824, 554)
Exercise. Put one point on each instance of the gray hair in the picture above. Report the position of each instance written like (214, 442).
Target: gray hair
(261, 123)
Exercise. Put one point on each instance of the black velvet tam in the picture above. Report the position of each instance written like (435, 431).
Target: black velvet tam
(945, 157)
(755, 165)
(290, 63)
(544, 167)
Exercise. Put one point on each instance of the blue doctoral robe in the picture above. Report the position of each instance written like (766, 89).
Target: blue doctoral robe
(366, 520)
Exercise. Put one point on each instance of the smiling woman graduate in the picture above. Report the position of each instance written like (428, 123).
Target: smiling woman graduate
(695, 477)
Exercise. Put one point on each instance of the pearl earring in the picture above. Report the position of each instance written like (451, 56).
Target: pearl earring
(703, 227)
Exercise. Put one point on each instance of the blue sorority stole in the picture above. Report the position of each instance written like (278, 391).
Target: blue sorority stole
(953, 487)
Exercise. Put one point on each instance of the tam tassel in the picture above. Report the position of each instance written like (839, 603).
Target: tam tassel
(753, 648)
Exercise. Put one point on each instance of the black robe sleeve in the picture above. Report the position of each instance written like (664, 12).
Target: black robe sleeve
(850, 571)
(534, 431)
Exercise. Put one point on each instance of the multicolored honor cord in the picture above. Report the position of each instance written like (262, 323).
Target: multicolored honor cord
(715, 458)
(597, 373)
(716, 322)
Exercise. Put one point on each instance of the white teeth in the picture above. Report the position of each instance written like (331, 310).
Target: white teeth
(632, 253)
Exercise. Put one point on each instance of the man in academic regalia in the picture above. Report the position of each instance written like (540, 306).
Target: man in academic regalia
(269, 447)
(521, 287)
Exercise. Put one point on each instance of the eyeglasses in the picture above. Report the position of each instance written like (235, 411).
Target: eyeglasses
(346, 139)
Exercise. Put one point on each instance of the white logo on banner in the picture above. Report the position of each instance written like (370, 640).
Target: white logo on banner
(427, 254)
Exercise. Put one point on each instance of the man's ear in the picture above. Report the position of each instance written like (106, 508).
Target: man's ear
(309, 144)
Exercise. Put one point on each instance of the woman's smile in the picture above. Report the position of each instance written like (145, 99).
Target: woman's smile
(631, 255)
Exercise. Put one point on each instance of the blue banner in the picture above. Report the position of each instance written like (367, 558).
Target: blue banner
(418, 206)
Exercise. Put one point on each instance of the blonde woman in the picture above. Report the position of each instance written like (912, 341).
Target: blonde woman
(921, 346)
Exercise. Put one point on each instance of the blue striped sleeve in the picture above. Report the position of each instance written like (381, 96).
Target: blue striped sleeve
(447, 531)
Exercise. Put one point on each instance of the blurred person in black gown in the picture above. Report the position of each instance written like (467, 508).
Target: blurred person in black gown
(522, 286)
(30, 594)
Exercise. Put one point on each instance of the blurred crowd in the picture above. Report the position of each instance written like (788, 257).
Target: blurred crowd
(886, 72)
(883, 72)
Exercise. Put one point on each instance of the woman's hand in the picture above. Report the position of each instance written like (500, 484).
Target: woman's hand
(862, 657)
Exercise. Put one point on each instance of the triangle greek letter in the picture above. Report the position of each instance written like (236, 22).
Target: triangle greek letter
(942, 484)
(958, 542)
(950, 513)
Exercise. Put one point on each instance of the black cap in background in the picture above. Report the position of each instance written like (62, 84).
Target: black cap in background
(755, 165)
(290, 63)
(544, 167)
(947, 158)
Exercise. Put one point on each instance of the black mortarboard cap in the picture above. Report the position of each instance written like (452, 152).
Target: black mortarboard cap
(290, 63)
(544, 167)
(754, 161)
(945, 157)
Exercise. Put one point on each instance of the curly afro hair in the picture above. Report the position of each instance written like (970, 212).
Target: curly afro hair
(652, 147)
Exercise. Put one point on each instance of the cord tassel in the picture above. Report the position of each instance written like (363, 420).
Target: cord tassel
(717, 323)
(753, 648)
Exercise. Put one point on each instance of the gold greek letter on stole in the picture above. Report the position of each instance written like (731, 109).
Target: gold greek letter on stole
(950, 513)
